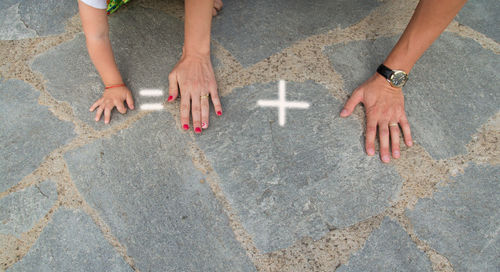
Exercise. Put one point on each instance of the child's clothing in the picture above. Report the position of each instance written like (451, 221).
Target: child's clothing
(110, 5)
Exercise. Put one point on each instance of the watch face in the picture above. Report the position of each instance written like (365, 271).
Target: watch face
(398, 79)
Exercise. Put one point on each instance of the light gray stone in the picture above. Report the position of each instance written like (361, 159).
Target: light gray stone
(452, 91)
(34, 18)
(144, 185)
(48, 17)
(71, 242)
(389, 248)
(21, 210)
(146, 43)
(483, 16)
(255, 30)
(298, 180)
(461, 221)
(11, 26)
(24, 125)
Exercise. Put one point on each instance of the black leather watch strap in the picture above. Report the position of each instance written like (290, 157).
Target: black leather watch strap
(384, 71)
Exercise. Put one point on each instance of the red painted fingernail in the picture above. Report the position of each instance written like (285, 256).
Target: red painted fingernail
(197, 130)
(219, 113)
(186, 127)
(170, 98)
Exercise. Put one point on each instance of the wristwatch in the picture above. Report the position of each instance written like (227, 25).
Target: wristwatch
(396, 78)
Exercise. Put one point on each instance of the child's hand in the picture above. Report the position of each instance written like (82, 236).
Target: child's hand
(111, 98)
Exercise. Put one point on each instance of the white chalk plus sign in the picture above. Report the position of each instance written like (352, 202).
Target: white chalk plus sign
(282, 104)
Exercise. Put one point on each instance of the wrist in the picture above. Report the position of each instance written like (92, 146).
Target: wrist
(199, 51)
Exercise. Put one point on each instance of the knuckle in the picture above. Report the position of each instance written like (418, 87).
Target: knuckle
(196, 108)
(185, 107)
(371, 130)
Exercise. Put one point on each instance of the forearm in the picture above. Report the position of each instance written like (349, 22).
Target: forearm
(197, 25)
(429, 20)
(95, 27)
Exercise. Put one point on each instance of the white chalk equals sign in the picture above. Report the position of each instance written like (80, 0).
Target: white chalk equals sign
(151, 93)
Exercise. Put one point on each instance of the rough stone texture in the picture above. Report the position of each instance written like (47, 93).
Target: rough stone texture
(299, 180)
(462, 220)
(254, 30)
(442, 108)
(24, 124)
(37, 19)
(144, 185)
(71, 242)
(21, 210)
(11, 26)
(482, 15)
(146, 43)
(388, 248)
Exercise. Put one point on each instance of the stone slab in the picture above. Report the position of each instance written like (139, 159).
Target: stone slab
(30, 18)
(147, 44)
(389, 248)
(482, 15)
(461, 221)
(71, 242)
(452, 91)
(144, 185)
(24, 124)
(11, 26)
(298, 180)
(255, 30)
(22, 209)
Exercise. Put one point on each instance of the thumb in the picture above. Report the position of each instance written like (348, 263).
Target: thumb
(352, 102)
(173, 88)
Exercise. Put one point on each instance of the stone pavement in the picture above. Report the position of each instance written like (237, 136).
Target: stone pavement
(141, 194)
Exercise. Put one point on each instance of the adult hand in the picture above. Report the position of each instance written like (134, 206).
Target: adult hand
(111, 98)
(385, 109)
(195, 78)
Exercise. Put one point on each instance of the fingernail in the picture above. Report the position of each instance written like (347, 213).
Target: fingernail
(343, 112)
(197, 130)
(385, 158)
(219, 113)
(204, 125)
(370, 152)
(170, 98)
(186, 127)
(410, 143)
(396, 154)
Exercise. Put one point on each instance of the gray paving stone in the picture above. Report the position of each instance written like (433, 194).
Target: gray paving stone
(452, 91)
(255, 30)
(461, 221)
(24, 124)
(298, 180)
(30, 18)
(144, 185)
(147, 44)
(21, 210)
(388, 248)
(11, 26)
(482, 15)
(71, 242)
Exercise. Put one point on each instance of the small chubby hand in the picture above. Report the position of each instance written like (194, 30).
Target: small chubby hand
(385, 109)
(194, 77)
(113, 97)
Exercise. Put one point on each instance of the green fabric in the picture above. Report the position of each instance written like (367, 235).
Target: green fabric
(113, 5)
